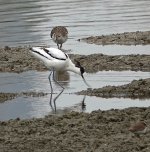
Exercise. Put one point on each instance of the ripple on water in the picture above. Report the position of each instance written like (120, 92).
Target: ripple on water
(29, 22)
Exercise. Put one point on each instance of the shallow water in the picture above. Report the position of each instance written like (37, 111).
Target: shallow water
(28, 107)
(29, 22)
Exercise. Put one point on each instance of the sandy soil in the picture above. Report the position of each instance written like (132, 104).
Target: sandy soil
(127, 38)
(99, 131)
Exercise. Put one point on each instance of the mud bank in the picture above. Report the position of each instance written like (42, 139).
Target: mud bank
(19, 59)
(9, 96)
(135, 89)
(98, 131)
(99, 62)
(127, 38)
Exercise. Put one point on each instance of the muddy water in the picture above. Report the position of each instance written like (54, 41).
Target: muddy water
(29, 22)
(28, 107)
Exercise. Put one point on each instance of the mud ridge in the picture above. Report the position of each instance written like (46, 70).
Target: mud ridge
(19, 59)
(9, 96)
(127, 38)
(135, 89)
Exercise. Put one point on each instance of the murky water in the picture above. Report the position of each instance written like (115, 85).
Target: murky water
(29, 22)
(28, 107)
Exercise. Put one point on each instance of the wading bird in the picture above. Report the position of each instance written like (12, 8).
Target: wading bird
(138, 128)
(56, 60)
(59, 34)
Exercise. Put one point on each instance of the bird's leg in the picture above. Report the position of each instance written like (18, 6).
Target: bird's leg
(49, 77)
(56, 80)
(56, 99)
(60, 46)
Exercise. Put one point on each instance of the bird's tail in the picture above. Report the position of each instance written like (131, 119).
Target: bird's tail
(39, 53)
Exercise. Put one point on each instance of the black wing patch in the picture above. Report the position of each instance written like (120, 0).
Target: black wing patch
(47, 51)
(39, 53)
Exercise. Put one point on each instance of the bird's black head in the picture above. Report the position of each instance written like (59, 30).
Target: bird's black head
(82, 70)
(77, 64)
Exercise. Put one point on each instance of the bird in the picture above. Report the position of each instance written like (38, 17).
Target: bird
(59, 34)
(56, 60)
(138, 128)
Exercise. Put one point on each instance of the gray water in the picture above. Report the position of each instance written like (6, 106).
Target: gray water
(29, 22)
(28, 107)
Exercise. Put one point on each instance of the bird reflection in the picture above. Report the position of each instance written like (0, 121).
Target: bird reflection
(80, 107)
(53, 101)
(83, 105)
(62, 76)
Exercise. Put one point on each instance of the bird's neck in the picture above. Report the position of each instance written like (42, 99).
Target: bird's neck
(73, 68)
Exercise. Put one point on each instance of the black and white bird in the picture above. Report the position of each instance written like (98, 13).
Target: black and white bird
(56, 60)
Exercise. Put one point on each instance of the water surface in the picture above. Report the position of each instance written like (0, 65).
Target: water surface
(29, 107)
(29, 22)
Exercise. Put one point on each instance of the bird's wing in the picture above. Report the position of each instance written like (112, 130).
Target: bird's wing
(50, 53)
(56, 53)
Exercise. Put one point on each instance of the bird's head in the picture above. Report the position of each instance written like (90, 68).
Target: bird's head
(82, 70)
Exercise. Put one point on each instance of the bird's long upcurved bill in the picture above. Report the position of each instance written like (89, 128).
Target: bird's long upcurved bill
(85, 81)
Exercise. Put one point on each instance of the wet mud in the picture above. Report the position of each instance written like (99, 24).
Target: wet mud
(135, 89)
(127, 38)
(9, 96)
(20, 59)
(98, 131)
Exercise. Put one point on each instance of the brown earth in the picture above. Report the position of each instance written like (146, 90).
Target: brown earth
(99, 131)
(127, 38)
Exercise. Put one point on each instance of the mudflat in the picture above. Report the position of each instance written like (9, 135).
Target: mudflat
(126, 38)
(98, 131)
(104, 131)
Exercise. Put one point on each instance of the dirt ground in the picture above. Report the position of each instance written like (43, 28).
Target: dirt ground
(99, 131)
